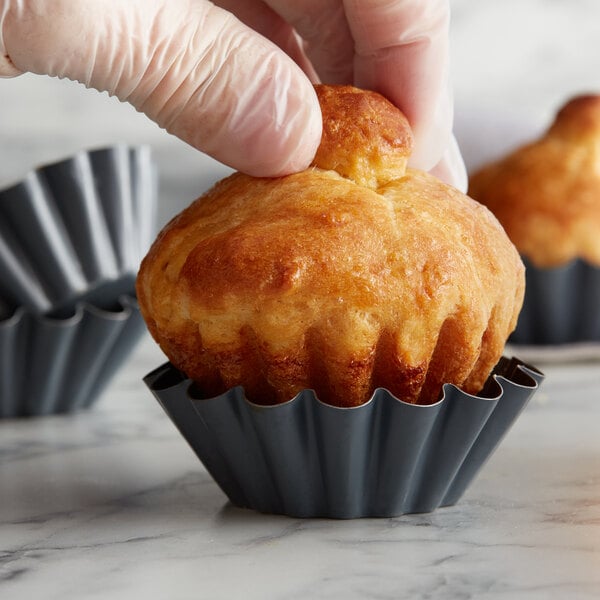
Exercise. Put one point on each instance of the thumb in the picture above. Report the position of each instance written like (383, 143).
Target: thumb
(451, 167)
(190, 66)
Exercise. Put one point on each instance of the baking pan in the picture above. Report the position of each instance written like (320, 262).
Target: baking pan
(561, 306)
(58, 364)
(74, 225)
(384, 458)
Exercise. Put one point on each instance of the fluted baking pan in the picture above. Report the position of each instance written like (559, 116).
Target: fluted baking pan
(305, 458)
(61, 364)
(70, 227)
(562, 305)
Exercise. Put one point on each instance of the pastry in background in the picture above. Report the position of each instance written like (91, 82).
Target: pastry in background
(354, 274)
(546, 195)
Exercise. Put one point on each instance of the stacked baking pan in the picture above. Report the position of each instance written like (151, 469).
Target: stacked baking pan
(72, 235)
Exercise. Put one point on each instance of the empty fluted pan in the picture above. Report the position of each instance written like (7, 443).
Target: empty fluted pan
(308, 459)
(56, 365)
(562, 305)
(73, 225)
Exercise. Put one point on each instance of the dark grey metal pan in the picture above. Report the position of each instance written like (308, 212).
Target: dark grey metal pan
(562, 305)
(58, 364)
(75, 225)
(308, 459)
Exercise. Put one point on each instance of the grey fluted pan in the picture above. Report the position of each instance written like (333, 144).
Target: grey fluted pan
(72, 235)
(562, 305)
(69, 227)
(305, 458)
(56, 365)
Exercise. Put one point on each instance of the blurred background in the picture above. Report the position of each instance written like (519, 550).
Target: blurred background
(513, 64)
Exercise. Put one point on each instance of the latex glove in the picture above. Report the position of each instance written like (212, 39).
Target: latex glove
(212, 81)
(192, 67)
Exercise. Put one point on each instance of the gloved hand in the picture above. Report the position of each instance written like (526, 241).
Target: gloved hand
(213, 81)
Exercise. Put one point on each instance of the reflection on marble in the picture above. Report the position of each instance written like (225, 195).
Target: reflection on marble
(112, 504)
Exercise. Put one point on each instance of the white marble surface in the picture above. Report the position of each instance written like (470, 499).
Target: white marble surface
(112, 504)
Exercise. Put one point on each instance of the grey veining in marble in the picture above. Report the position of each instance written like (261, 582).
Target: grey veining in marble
(111, 504)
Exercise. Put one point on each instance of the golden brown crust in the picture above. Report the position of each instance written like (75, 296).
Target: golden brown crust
(312, 280)
(546, 194)
(363, 140)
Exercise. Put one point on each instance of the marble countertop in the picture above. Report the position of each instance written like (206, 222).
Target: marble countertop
(111, 503)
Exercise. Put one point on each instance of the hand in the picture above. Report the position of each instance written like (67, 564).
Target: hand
(396, 47)
(208, 78)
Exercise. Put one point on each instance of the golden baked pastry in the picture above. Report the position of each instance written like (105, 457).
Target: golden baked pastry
(355, 274)
(546, 194)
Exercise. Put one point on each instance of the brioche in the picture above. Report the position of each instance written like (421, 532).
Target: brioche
(354, 274)
(546, 194)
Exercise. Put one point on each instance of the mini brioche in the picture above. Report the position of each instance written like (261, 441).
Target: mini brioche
(546, 194)
(354, 274)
